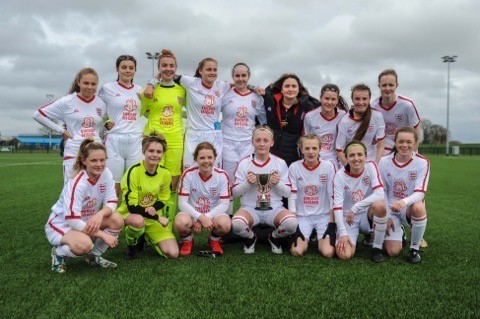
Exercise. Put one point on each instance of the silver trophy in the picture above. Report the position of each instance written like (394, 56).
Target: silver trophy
(263, 203)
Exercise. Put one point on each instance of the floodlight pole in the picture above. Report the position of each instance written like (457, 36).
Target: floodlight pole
(50, 98)
(153, 57)
(448, 59)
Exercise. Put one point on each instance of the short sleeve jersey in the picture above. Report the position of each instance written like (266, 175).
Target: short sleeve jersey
(140, 188)
(81, 197)
(347, 127)
(83, 119)
(164, 113)
(238, 114)
(350, 189)
(204, 194)
(123, 107)
(402, 113)
(271, 165)
(314, 187)
(403, 179)
(203, 103)
(326, 129)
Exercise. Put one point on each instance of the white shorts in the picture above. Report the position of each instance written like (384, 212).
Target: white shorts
(398, 219)
(360, 225)
(317, 222)
(193, 138)
(264, 217)
(55, 231)
(68, 164)
(233, 152)
(123, 151)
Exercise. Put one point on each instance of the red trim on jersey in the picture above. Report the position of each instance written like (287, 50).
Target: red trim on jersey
(378, 174)
(327, 119)
(353, 119)
(381, 138)
(311, 169)
(294, 191)
(378, 186)
(205, 86)
(242, 94)
(204, 179)
(126, 87)
(419, 191)
(401, 165)
(112, 201)
(414, 107)
(261, 165)
(338, 208)
(72, 213)
(183, 194)
(85, 100)
(354, 175)
(224, 197)
(40, 109)
(73, 217)
(68, 157)
(95, 181)
(384, 107)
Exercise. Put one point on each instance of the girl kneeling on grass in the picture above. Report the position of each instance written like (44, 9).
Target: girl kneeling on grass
(146, 189)
(358, 198)
(311, 198)
(203, 200)
(277, 186)
(85, 211)
(405, 174)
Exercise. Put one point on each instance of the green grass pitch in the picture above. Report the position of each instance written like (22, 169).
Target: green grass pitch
(446, 284)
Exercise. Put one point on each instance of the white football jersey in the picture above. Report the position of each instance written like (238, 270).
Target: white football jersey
(203, 103)
(82, 118)
(403, 179)
(326, 129)
(347, 126)
(123, 107)
(351, 190)
(402, 113)
(81, 198)
(204, 194)
(238, 114)
(314, 187)
(273, 164)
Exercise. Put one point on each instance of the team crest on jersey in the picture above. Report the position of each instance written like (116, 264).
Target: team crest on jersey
(412, 175)
(399, 186)
(254, 104)
(357, 196)
(311, 190)
(203, 201)
(242, 111)
(88, 121)
(131, 105)
(146, 200)
(209, 100)
(167, 111)
(91, 202)
(366, 181)
(102, 188)
(399, 117)
(390, 128)
(217, 93)
(99, 111)
(323, 178)
(180, 100)
(327, 138)
(214, 191)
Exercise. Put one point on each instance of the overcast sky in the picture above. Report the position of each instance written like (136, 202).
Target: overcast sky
(45, 43)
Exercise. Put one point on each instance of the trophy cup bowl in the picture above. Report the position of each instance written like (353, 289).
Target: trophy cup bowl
(263, 203)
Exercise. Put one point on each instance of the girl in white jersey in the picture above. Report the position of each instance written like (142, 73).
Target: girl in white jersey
(203, 199)
(323, 121)
(397, 110)
(358, 198)
(247, 186)
(406, 175)
(124, 136)
(204, 101)
(312, 197)
(361, 123)
(82, 112)
(85, 212)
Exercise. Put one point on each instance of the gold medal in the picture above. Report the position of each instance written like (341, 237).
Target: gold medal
(284, 123)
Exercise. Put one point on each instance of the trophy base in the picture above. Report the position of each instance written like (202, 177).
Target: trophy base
(263, 207)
